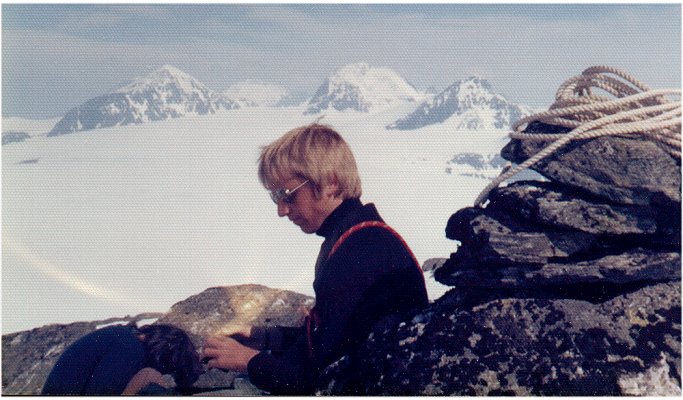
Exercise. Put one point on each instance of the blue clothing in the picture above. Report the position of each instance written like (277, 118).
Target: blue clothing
(99, 363)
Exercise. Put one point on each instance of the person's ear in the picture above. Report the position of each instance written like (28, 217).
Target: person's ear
(331, 189)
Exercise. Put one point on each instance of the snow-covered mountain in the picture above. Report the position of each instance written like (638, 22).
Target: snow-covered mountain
(165, 93)
(468, 104)
(256, 93)
(360, 87)
(486, 166)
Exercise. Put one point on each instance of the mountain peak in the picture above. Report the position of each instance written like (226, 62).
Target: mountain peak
(357, 69)
(474, 82)
(470, 103)
(164, 76)
(363, 88)
(165, 93)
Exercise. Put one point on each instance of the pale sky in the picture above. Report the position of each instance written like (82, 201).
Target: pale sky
(57, 56)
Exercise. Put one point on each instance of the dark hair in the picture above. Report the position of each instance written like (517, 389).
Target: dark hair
(169, 350)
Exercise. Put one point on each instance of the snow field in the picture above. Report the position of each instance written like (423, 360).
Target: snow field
(133, 219)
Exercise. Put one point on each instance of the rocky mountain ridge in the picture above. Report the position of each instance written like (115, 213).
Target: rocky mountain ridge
(171, 93)
(474, 104)
(166, 93)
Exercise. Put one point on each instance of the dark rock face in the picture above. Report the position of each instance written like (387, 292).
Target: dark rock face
(28, 356)
(620, 170)
(524, 346)
(14, 137)
(567, 287)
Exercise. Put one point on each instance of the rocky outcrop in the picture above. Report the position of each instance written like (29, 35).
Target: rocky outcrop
(28, 356)
(524, 346)
(219, 308)
(14, 137)
(566, 287)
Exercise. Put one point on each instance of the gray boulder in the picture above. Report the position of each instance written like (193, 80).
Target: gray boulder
(621, 170)
(492, 237)
(219, 308)
(550, 204)
(639, 265)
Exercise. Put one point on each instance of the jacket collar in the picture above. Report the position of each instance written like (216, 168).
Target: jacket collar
(335, 221)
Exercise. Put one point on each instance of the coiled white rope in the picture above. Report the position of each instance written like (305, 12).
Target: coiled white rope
(636, 111)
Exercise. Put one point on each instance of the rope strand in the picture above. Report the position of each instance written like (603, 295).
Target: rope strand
(637, 110)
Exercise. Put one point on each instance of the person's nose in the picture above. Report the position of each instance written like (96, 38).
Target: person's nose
(282, 209)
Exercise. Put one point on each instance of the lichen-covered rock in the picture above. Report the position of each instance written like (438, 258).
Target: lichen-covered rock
(524, 346)
(638, 265)
(621, 170)
(217, 309)
(492, 237)
(550, 204)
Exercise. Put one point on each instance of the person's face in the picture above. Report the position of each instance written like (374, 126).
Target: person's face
(305, 208)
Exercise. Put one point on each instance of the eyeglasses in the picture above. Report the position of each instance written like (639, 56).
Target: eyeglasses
(286, 195)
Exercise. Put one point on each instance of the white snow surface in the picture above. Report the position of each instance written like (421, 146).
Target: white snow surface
(124, 220)
(30, 126)
(253, 92)
(379, 85)
(362, 87)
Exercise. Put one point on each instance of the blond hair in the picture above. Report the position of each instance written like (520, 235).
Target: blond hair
(314, 152)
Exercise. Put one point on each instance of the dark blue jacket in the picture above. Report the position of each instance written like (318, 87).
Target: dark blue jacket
(370, 276)
(99, 363)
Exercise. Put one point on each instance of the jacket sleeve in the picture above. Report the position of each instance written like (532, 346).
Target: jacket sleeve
(287, 373)
(274, 338)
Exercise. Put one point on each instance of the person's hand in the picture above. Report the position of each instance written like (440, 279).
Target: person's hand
(227, 353)
(143, 378)
(237, 331)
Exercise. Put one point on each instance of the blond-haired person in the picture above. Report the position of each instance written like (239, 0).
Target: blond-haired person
(364, 273)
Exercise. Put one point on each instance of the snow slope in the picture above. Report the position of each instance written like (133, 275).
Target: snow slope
(133, 218)
(360, 87)
(255, 93)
